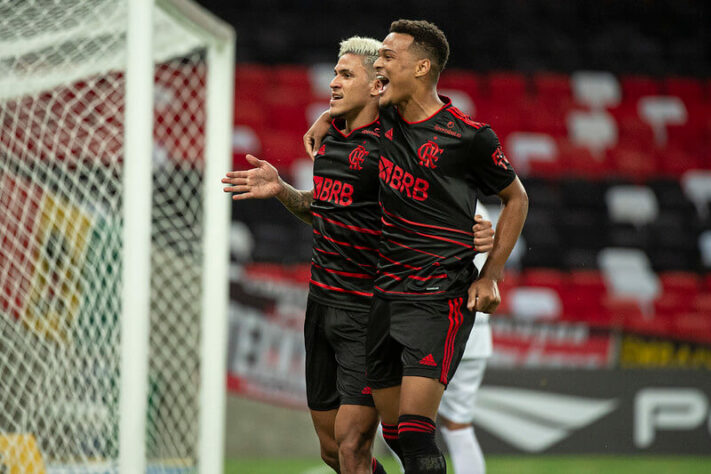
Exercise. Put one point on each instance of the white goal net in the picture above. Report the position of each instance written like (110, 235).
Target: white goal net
(62, 105)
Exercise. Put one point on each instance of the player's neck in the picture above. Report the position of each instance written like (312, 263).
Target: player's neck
(421, 105)
(361, 118)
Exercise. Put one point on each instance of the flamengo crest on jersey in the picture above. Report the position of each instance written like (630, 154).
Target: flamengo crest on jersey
(431, 173)
(346, 218)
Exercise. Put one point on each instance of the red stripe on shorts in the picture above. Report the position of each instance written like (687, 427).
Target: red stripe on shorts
(455, 321)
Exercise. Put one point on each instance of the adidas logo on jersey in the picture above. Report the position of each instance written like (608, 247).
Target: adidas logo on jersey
(389, 134)
(428, 360)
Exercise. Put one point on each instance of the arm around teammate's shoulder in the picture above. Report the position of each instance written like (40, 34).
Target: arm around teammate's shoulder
(315, 135)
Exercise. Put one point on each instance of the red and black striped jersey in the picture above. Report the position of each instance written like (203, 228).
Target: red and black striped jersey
(430, 174)
(346, 218)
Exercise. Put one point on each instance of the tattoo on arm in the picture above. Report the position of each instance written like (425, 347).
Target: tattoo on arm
(297, 202)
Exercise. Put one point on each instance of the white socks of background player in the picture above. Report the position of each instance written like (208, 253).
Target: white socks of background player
(464, 450)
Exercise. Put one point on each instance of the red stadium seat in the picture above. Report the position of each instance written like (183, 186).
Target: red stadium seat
(634, 87)
(686, 283)
(545, 115)
(583, 298)
(552, 87)
(675, 161)
(690, 90)
(507, 87)
(634, 132)
(691, 136)
(702, 303)
(633, 163)
(281, 148)
(692, 326)
(503, 119)
(670, 302)
(510, 281)
(543, 277)
(251, 112)
(250, 76)
(581, 161)
(623, 312)
(295, 77)
(461, 80)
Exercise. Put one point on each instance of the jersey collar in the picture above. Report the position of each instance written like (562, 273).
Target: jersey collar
(447, 102)
(333, 124)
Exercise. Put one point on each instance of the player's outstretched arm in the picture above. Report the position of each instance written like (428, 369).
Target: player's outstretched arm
(484, 292)
(483, 234)
(314, 135)
(263, 182)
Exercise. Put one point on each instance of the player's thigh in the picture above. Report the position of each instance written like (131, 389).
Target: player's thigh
(433, 335)
(321, 367)
(387, 402)
(420, 396)
(459, 399)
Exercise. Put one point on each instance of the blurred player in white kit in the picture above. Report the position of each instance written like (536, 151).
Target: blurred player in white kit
(456, 410)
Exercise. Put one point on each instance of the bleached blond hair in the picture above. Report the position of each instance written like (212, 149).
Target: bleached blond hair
(366, 47)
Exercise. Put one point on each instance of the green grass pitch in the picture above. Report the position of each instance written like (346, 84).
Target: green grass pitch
(506, 465)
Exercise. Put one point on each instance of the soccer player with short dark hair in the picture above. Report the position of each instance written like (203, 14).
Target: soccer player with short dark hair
(434, 163)
(343, 208)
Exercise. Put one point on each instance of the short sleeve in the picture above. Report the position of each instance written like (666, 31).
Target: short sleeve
(491, 168)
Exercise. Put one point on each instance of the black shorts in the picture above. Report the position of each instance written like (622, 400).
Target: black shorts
(421, 338)
(335, 357)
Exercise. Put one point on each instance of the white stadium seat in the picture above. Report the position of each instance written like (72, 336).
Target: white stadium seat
(461, 100)
(596, 89)
(632, 204)
(705, 248)
(245, 140)
(628, 274)
(596, 131)
(697, 187)
(524, 147)
(661, 111)
(535, 303)
(320, 76)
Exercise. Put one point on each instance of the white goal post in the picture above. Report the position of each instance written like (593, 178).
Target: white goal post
(116, 119)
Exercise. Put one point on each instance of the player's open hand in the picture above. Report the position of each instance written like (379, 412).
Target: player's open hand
(483, 234)
(484, 296)
(261, 182)
(315, 135)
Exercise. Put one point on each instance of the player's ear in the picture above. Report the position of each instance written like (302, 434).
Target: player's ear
(423, 67)
(375, 86)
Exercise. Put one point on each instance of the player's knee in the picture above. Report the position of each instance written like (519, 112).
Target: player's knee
(329, 454)
(354, 444)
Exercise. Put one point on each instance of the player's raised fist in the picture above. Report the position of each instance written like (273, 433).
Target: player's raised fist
(260, 182)
(484, 296)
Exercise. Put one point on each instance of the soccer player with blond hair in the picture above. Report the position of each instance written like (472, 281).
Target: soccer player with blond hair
(435, 161)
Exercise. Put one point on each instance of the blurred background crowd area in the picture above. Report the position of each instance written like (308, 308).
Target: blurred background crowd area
(603, 107)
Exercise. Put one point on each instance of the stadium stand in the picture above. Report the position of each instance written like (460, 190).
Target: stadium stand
(608, 124)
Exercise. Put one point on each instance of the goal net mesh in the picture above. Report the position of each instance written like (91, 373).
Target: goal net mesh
(62, 105)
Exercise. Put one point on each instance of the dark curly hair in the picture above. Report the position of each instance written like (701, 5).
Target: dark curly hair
(429, 38)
